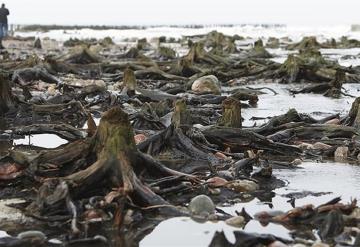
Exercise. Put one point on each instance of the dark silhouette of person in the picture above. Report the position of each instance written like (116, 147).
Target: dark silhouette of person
(4, 12)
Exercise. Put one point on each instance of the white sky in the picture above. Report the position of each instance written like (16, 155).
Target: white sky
(147, 12)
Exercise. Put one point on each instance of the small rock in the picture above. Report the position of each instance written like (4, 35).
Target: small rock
(201, 205)
(321, 146)
(51, 90)
(237, 221)
(32, 234)
(55, 241)
(128, 218)
(215, 191)
(299, 245)
(220, 155)
(243, 186)
(296, 162)
(139, 138)
(92, 214)
(277, 244)
(320, 245)
(217, 182)
(341, 153)
(334, 121)
(226, 175)
(267, 215)
(207, 84)
(305, 146)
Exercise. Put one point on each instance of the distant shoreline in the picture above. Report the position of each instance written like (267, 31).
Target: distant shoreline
(45, 28)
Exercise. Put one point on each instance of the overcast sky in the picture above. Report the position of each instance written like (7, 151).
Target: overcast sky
(148, 12)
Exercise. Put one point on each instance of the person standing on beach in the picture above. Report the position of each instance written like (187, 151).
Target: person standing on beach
(4, 12)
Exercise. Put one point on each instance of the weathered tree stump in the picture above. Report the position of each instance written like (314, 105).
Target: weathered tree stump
(142, 44)
(292, 68)
(117, 163)
(336, 85)
(181, 116)
(306, 43)
(114, 146)
(129, 82)
(231, 113)
(259, 51)
(37, 44)
(353, 118)
(82, 55)
(6, 97)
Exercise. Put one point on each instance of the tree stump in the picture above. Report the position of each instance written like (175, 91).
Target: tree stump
(181, 116)
(6, 98)
(336, 85)
(353, 118)
(292, 68)
(115, 147)
(231, 113)
(37, 44)
(117, 163)
(129, 82)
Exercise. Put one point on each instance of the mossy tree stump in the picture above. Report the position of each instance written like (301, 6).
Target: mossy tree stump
(181, 115)
(338, 80)
(231, 113)
(117, 159)
(336, 85)
(117, 163)
(129, 81)
(37, 44)
(6, 97)
(142, 44)
(353, 118)
(82, 55)
(292, 67)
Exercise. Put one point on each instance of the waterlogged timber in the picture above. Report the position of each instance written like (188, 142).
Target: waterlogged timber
(109, 143)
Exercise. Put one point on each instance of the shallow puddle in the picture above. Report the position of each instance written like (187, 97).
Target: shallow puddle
(337, 178)
(42, 140)
(316, 105)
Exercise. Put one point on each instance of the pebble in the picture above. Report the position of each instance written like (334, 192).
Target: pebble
(217, 182)
(320, 245)
(321, 146)
(139, 138)
(334, 121)
(220, 156)
(237, 221)
(201, 205)
(32, 234)
(341, 153)
(243, 186)
(277, 244)
(207, 84)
